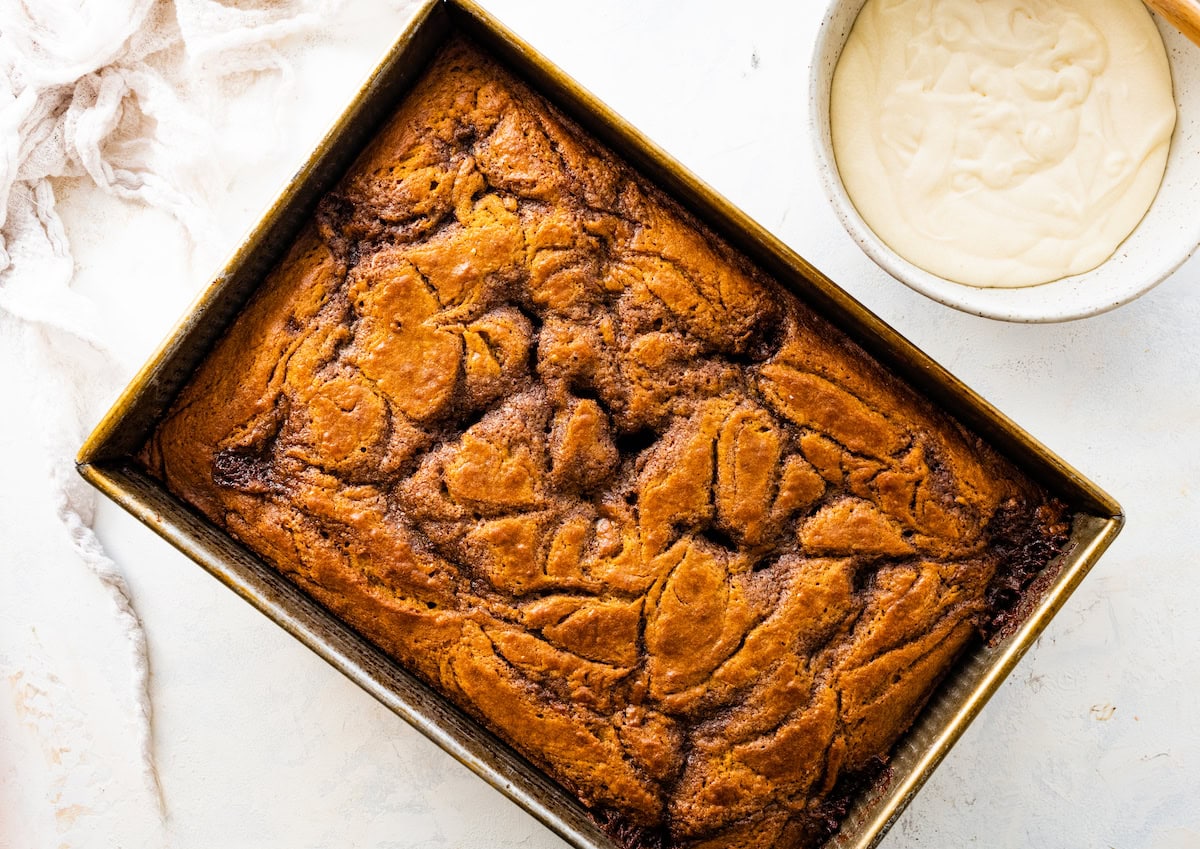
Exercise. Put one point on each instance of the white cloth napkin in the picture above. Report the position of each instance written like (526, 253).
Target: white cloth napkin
(114, 91)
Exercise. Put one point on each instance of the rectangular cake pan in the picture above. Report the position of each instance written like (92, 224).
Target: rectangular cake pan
(106, 459)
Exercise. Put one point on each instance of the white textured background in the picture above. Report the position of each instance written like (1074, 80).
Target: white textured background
(1092, 743)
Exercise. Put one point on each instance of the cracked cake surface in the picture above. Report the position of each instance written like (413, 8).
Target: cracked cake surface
(523, 423)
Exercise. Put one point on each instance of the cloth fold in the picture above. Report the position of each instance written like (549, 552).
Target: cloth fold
(113, 91)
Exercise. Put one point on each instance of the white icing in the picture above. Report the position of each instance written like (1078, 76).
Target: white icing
(1006, 142)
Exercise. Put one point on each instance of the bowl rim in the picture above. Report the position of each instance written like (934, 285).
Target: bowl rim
(1014, 304)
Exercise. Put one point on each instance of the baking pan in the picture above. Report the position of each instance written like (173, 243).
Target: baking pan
(106, 459)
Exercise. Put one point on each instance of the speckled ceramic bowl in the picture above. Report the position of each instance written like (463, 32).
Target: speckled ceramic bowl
(1165, 238)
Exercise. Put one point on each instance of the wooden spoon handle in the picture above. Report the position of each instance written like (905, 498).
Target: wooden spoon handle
(1183, 14)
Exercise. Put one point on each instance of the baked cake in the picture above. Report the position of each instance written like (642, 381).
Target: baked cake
(524, 424)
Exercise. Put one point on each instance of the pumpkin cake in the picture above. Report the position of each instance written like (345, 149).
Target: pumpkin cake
(527, 426)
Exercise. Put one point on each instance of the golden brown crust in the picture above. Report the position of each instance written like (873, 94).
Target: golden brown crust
(524, 424)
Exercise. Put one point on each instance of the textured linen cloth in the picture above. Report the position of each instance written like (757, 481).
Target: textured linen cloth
(116, 92)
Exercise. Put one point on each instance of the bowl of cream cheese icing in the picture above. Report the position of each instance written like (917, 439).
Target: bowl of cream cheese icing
(1025, 160)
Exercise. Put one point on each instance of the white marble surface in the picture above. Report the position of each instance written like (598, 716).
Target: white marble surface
(1092, 743)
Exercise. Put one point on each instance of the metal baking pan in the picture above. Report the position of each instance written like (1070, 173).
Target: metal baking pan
(106, 459)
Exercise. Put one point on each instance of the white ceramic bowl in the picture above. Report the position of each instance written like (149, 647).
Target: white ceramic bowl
(1165, 238)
